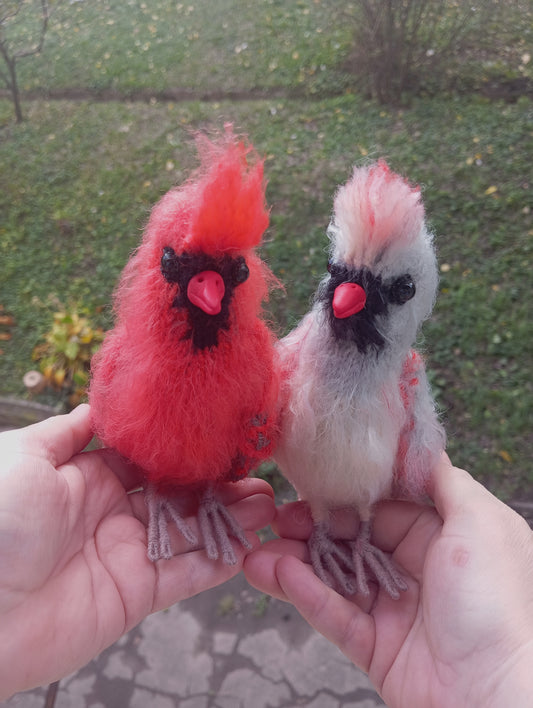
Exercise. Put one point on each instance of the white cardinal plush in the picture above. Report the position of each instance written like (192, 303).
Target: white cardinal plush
(359, 422)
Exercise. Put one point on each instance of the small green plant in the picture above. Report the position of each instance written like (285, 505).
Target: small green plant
(65, 355)
(270, 473)
(227, 605)
(261, 606)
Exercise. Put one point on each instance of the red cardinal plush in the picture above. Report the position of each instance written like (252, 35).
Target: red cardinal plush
(359, 422)
(185, 384)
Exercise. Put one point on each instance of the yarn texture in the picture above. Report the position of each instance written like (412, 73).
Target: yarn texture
(359, 422)
(186, 409)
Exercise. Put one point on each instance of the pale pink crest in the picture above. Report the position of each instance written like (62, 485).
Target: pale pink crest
(375, 210)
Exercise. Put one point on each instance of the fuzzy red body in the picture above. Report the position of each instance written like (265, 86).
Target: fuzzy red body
(186, 415)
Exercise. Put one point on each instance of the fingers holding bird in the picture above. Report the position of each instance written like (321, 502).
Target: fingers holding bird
(260, 566)
(282, 568)
(391, 522)
(294, 520)
(189, 571)
(55, 439)
(403, 529)
(250, 502)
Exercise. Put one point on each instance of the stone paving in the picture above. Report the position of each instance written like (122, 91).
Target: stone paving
(231, 647)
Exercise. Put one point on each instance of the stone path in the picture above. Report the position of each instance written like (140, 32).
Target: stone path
(231, 647)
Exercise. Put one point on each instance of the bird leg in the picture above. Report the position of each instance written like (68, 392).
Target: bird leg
(216, 524)
(328, 555)
(160, 511)
(379, 562)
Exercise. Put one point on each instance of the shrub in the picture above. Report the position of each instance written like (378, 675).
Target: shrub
(65, 355)
(401, 45)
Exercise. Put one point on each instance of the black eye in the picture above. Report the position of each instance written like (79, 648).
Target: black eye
(168, 256)
(240, 271)
(333, 268)
(402, 290)
(169, 264)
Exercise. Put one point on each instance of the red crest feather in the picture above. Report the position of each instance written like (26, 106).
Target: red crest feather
(231, 213)
(221, 208)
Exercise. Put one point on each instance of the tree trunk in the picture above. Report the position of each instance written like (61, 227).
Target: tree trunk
(15, 93)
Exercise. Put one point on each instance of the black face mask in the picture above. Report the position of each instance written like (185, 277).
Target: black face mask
(361, 328)
(204, 328)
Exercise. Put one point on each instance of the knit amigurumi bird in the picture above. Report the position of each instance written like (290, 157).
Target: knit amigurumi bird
(185, 385)
(359, 422)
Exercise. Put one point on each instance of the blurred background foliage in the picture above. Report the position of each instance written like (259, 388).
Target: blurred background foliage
(442, 90)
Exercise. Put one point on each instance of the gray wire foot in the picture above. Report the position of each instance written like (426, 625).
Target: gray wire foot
(379, 562)
(160, 511)
(331, 560)
(216, 524)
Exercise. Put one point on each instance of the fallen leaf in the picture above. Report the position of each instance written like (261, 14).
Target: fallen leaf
(59, 376)
(505, 456)
(491, 190)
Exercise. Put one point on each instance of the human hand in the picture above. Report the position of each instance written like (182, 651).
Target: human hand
(462, 634)
(74, 574)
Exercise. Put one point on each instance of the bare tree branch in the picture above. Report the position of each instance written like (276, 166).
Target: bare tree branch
(45, 16)
(9, 15)
(3, 76)
(9, 11)
(398, 45)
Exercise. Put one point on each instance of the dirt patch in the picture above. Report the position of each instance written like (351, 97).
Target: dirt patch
(508, 90)
(174, 95)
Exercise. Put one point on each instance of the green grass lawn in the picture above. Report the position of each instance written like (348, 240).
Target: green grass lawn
(201, 45)
(78, 178)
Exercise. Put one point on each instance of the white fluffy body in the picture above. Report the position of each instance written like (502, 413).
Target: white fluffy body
(345, 413)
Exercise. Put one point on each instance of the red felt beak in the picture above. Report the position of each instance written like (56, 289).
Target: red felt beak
(348, 299)
(206, 291)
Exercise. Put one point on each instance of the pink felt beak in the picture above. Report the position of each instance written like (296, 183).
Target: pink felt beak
(348, 299)
(206, 291)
